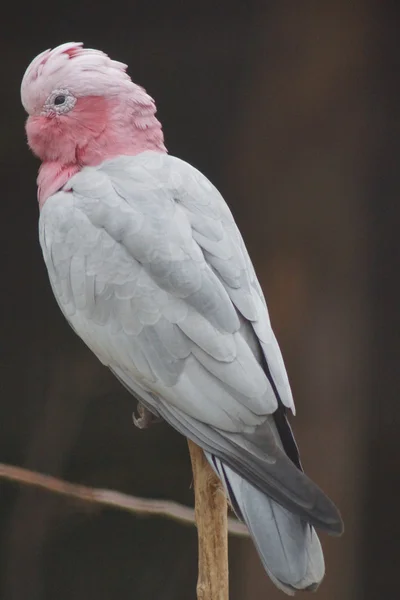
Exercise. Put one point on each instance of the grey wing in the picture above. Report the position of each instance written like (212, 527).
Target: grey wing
(214, 230)
(163, 291)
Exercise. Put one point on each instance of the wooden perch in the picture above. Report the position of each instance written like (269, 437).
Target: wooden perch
(109, 498)
(211, 511)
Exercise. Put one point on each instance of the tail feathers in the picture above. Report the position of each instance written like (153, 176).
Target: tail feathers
(288, 546)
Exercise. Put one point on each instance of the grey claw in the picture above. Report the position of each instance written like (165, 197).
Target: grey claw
(145, 418)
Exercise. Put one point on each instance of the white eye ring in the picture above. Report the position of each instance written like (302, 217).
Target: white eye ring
(54, 104)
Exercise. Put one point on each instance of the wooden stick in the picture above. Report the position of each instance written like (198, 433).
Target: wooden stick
(211, 511)
(110, 498)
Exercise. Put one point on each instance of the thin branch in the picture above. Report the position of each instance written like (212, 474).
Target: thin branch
(110, 498)
(211, 510)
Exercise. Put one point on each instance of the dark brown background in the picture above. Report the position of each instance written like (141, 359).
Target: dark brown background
(291, 108)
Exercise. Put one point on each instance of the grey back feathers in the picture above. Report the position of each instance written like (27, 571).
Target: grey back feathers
(149, 268)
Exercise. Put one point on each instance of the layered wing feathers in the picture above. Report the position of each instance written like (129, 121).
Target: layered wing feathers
(148, 283)
(150, 269)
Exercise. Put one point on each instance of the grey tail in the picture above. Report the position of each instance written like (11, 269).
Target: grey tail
(288, 546)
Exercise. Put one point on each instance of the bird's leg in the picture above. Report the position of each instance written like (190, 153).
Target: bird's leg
(145, 418)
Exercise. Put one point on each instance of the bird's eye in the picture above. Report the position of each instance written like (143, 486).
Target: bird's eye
(58, 100)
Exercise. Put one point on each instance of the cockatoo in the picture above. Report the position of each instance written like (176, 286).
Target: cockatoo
(149, 268)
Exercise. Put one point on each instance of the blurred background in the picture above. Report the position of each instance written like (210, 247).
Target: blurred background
(292, 110)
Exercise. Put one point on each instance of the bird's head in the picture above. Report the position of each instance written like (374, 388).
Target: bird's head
(84, 108)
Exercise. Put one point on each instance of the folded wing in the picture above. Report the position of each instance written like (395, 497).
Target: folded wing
(151, 271)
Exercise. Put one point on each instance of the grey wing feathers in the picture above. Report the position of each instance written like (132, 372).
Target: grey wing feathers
(151, 271)
(257, 457)
(214, 231)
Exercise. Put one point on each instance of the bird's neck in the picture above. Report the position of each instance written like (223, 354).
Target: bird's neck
(54, 175)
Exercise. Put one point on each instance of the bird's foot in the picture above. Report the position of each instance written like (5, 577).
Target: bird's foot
(145, 418)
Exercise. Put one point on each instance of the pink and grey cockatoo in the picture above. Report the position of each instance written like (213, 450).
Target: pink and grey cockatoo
(149, 268)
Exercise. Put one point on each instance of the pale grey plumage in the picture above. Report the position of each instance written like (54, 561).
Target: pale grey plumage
(148, 266)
